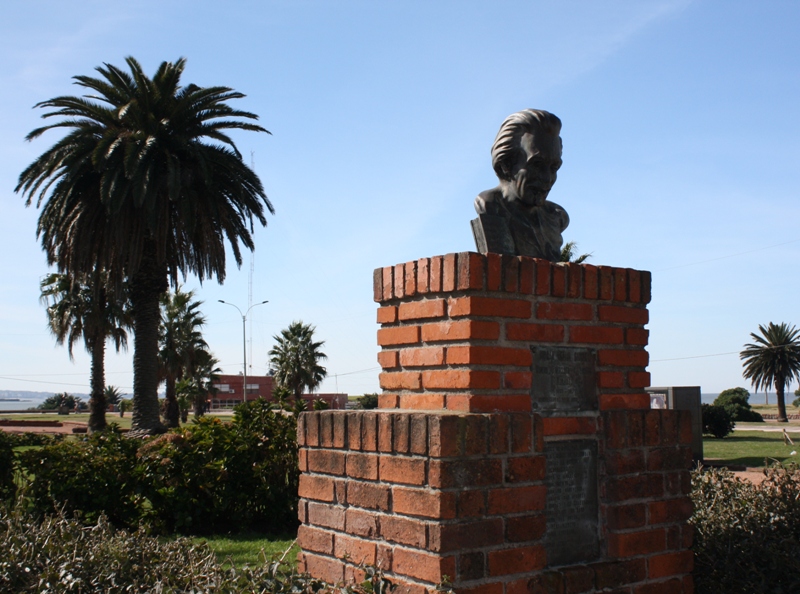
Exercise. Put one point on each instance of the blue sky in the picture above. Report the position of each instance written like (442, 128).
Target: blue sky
(681, 134)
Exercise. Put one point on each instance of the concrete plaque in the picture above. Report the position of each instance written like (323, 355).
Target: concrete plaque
(563, 379)
(571, 509)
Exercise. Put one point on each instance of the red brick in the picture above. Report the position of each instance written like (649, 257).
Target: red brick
(487, 403)
(399, 281)
(400, 380)
(685, 427)
(310, 538)
(632, 544)
(423, 275)
(356, 550)
(624, 462)
(471, 504)
(422, 566)
(401, 335)
(311, 422)
(510, 274)
(626, 315)
(624, 401)
(636, 336)
(672, 458)
(466, 535)
(404, 531)
(494, 272)
(402, 470)
(523, 429)
(445, 435)
(535, 332)
(362, 466)
(369, 431)
(401, 429)
(526, 271)
(606, 286)
(525, 469)
(325, 430)
(449, 273)
(354, 430)
(422, 357)
(324, 568)
(447, 474)
(670, 510)
(422, 401)
(302, 460)
(564, 311)
(326, 515)
(617, 574)
(460, 330)
(634, 286)
(421, 310)
(489, 306)
(559, 286)
(646, 280)
(578, 580)
(626, 517)
(361, 523)
(661, 566)
(517, 499)
(377, 285)
(316, 487)
(385, 434)
(518, 560)
(595, 335)
(339, 429)
(638, 379)
(543, 269)
(525, 528)
(589, 281)
(424, 503)
(570, 426)
(387, 400)
(418, 434)
(498, 434)
(517, 380)
(455, 379)
(388, 359)
(411, 279)
(620, 284)
(488, 355)
(387, 314)
(470, 271)
(610, 379)
(326, 462)
(625, 488)
(623, 357)
(574, 280)
(436, 274)
(673, 586)
(368, 495)
(388, 283)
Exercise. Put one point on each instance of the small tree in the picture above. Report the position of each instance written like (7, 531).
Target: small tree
(716, 421)
(569, 253)
(295, 359)
(736, 401)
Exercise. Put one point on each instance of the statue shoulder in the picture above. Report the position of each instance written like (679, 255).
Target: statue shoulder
(488, 201)
(557, 211)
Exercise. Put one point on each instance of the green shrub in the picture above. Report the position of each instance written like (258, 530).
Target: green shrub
(85, 478)
(7, 487)
(736, 401)
(716, 421)
(747, 536)
(368, 401)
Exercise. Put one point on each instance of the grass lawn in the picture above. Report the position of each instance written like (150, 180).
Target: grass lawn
(246, 548)
(750, 448)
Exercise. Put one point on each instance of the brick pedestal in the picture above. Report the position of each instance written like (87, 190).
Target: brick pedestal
(450, 477)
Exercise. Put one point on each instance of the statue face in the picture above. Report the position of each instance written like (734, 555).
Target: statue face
(534, 172)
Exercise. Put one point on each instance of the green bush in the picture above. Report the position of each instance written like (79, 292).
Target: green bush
(716, 421)
(7, 487)
(368, 401)
(747, 536)
(737, 402)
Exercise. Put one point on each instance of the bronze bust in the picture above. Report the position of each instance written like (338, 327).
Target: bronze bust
(515, 217)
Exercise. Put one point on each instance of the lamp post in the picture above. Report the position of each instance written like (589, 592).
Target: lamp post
(244, 341)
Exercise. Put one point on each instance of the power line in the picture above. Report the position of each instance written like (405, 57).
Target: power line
(695, 357)
(767, 247)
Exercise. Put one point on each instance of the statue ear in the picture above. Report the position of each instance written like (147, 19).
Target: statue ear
(503, 170)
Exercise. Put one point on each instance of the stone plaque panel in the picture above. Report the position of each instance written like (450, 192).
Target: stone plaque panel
(572, 506)
(563, 379)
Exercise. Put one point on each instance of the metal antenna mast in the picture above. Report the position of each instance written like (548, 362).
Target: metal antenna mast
(250, 279)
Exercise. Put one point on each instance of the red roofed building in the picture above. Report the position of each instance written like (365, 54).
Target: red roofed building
(229, 392)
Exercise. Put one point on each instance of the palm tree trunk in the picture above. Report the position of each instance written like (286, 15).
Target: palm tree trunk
(97, 401)
(779, 388)
(147, 285)
(172, 412)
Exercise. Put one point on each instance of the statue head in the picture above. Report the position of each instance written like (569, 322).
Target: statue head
(526, 156)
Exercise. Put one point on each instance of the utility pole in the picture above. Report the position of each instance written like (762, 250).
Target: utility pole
(244, 342)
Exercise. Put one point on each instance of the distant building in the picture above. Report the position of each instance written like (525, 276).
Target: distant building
(230, 393)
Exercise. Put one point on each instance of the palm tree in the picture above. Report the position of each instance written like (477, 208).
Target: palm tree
(179, 339)
(113, 395)
(146, 184)
(87, 308)
(569, 253)
(295, 359)
(774, 359)
(198, 384)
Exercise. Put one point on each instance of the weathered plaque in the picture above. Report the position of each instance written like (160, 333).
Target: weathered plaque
(572, 533)
(563, 379)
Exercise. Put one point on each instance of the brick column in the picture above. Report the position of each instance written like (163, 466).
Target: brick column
(451, 476)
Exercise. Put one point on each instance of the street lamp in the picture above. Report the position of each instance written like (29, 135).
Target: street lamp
(244, 341)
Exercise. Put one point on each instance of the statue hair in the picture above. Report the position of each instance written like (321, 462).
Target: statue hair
(506, 144)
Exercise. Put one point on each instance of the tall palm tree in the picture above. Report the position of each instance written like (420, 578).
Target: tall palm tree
(146, 184)
(569, 253)
(180, 340)
(198, 383)
(87, 308)
(774, 360)
(295, 359)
